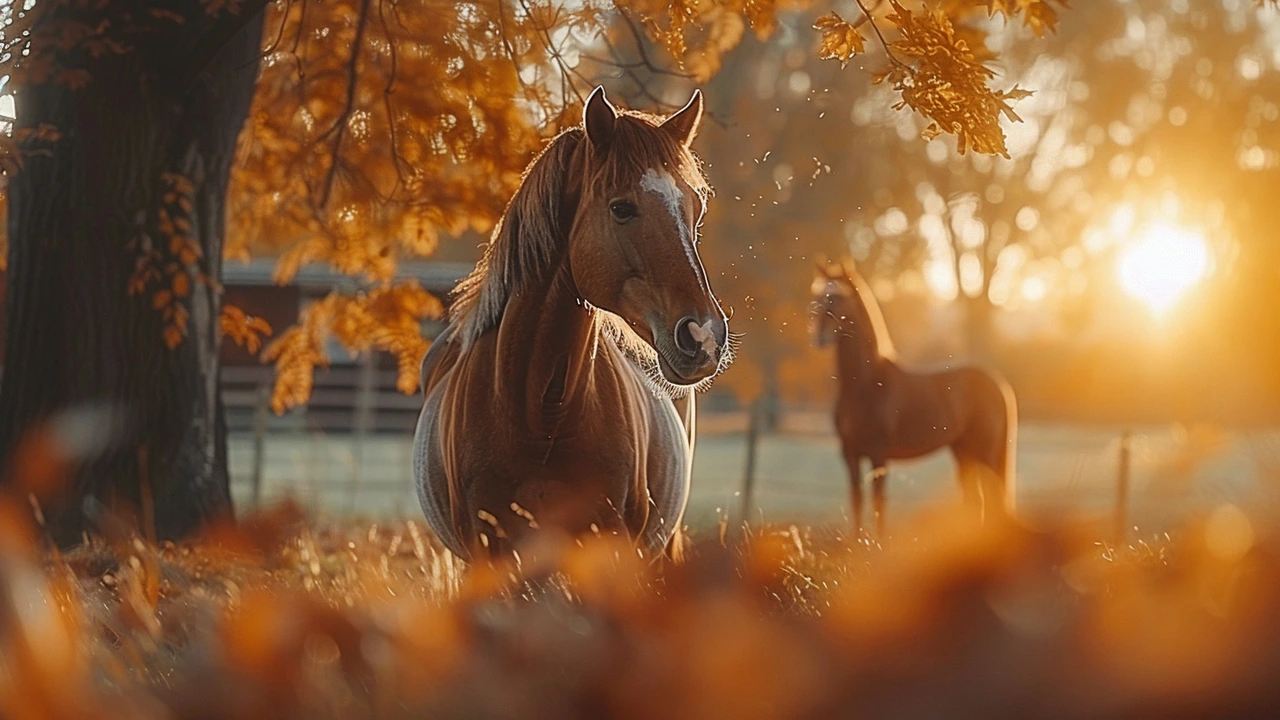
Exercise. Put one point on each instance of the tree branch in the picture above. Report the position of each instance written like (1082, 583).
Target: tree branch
(339, 128)
(221, 30)
(883, 43)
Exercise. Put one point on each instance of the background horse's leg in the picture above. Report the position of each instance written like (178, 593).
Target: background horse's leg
(969, 480)
(853, 460)
(879, 476)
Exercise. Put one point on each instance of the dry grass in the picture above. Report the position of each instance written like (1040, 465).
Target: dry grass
(279, 618)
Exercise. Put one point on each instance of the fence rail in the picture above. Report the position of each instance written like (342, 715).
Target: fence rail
(350, 450)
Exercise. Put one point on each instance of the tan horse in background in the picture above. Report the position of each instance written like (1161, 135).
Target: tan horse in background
(559, 399)
(884, 412)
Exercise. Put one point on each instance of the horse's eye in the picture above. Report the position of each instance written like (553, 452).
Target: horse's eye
(622, 210)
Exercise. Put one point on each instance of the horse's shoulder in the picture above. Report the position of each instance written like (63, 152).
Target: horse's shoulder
(440, 357)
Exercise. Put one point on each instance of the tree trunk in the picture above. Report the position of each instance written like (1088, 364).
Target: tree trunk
(153, 132)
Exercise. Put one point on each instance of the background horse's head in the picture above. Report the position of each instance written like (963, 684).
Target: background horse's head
(832, 291)
(633, 239)
(843, 305)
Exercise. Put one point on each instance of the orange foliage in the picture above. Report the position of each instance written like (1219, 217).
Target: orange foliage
(244, 330)
(168, 267)
(387, 318)
(946, 82)
(840, 39)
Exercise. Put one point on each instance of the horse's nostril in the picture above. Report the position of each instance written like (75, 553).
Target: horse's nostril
(684, 337)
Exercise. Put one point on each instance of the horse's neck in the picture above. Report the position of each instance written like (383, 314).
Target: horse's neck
(545, 342)
(859, 360)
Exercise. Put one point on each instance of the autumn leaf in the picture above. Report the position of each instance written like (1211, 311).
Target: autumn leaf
(172, 337)
(1038, 15)
(840, 40)
(244, 330)
(181, 284)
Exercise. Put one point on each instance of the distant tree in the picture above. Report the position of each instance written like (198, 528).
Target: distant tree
(371, 129)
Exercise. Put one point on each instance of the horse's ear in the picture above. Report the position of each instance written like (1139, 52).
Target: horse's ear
(850, 269)
(821, 265)
(683, 126)
(598, 118)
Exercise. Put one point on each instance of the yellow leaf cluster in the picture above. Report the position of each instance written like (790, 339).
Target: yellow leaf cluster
(942, 79)
(1039, 15)
(840, 40)
(388, 318)
(698, 33)
(244, 330)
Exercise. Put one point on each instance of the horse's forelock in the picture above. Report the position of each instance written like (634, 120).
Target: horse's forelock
(639, 145)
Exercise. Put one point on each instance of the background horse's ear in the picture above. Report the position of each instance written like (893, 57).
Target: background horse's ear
(850, 269)
(598, 117)
(683, 126)
(822, 265)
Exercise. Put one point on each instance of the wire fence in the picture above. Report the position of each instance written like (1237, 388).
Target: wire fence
(1143, 476)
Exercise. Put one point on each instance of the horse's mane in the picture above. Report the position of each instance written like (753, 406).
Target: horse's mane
(872, 318)
(533, 231)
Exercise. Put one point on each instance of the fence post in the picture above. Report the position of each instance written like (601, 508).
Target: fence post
(1122, 489)
(366, 398)
(260, 418)
(749, 471)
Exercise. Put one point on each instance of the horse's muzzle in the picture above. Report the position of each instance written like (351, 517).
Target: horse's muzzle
(695, 349)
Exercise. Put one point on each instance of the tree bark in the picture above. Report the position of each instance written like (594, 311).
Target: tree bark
(83, 210)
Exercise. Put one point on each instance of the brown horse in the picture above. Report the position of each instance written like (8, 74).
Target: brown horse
(884, 412)
(560, 397)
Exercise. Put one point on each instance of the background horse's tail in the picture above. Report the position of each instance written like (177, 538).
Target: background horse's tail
(1009, 458)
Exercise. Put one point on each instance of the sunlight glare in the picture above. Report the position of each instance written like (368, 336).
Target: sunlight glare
(1034, 288)
(1162, 264)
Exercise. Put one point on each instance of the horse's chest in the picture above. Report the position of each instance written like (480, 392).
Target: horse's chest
(617, 442)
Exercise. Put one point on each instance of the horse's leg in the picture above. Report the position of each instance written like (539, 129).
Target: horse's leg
(879, 475)
(969, 480)
(991, 474)
(853, 460)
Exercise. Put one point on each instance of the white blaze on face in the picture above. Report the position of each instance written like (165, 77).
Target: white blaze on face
(664, 186)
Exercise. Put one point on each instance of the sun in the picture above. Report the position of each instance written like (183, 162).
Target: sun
(1162, 264)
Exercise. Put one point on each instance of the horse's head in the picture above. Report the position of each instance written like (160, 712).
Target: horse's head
(843, 305)
(831, 290)
(633, 241)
